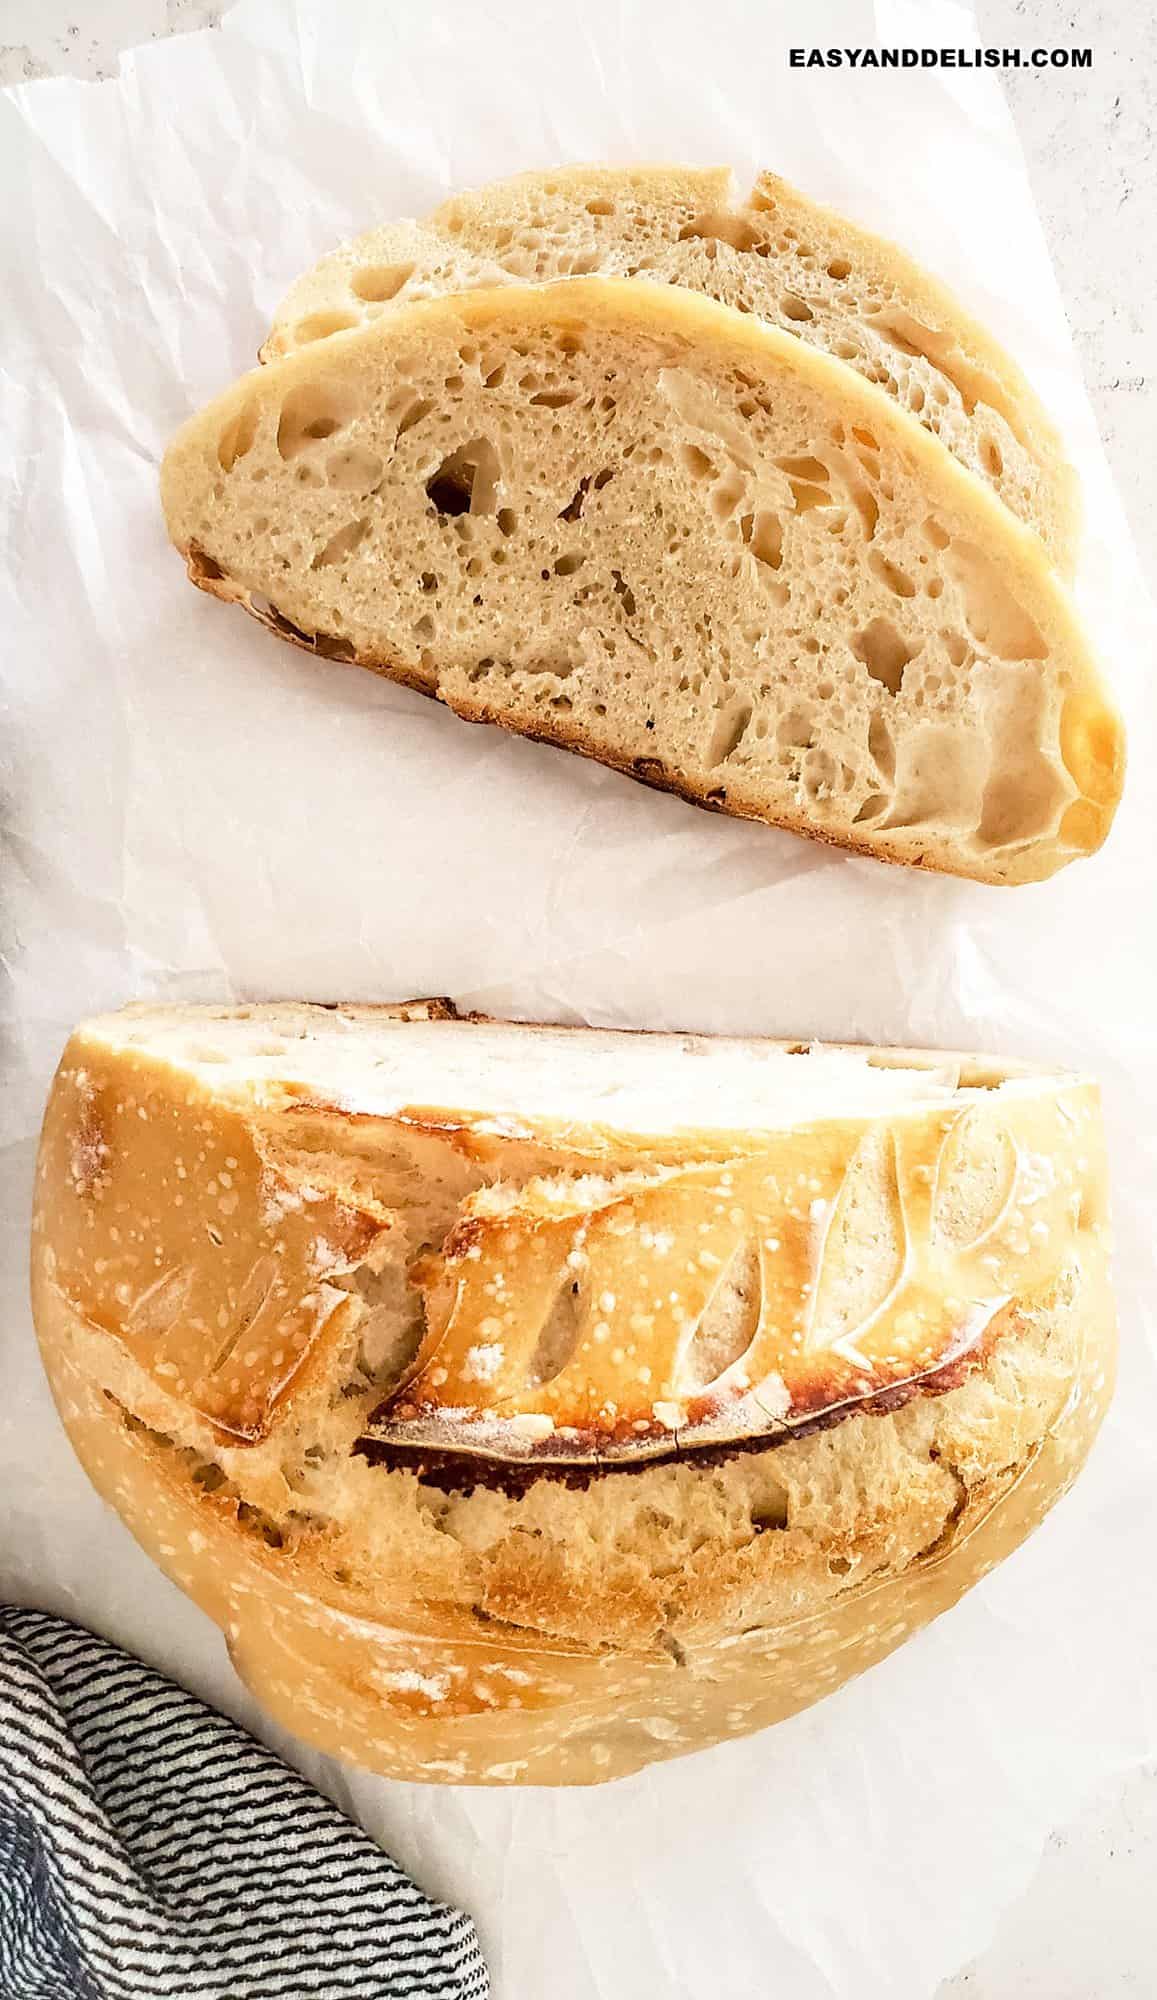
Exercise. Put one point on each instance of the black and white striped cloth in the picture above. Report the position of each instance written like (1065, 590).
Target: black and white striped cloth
(150, 1847)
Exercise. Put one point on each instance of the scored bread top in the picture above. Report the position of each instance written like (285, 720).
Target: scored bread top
(499, 1615)
(413, 1220)
(623, 518)
(776, 254)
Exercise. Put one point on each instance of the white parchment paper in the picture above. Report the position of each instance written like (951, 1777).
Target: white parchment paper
(190, 808)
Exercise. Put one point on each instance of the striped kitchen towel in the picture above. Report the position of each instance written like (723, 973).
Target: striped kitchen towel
(150, 1847)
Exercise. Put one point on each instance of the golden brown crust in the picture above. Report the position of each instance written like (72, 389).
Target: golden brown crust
(481, 1694)
(557, 1632)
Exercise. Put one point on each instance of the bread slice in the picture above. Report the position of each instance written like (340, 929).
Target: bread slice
(527, 1404)
(777, 255)
(625, 519)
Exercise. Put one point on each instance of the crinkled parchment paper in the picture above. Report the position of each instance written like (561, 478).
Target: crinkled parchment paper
(190, 808)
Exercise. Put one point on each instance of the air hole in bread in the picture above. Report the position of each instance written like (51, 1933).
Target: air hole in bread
(992, 458)
(726, 495)
(940, 777)
(892, 575)
(600, 206)
(341, 544)
(319, 326)
(209, 1477)
(237, 437)
(795, 730)
(722, 226)
(806, 496)
(413, 414)
(1019, 803)
(938, 536)
(202, 568)
(993, 615)
(809, 469)
(624, 593)
(795, 308)
(467, 481)
(819, 775)
(839, 268)
(555, 399)
(566, 565)
(885, 654)
(763, 533)
(574, 507)
(309, 414)
(875, 804)
(378, 282)
(728, 731)
(769, 1513)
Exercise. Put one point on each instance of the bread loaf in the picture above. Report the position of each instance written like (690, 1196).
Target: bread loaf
(624, 519)
(777, 255)
(528, 1404)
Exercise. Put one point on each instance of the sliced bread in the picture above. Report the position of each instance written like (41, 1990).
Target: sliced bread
(777, 255)
(628, 520)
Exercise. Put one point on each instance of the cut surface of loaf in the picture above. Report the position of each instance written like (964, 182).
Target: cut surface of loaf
(776, 254)
(623, 519)
(528, 1404)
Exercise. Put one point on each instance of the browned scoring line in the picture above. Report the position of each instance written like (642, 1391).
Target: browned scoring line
(461, 1470)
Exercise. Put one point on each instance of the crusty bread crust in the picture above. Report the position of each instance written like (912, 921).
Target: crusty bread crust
(548, 1629)
(992, 659)
(790, 260)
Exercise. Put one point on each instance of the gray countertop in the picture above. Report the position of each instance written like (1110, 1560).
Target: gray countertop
(1087, 1927)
